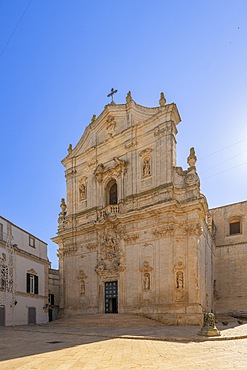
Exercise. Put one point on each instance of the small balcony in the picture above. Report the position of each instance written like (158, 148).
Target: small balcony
(110, 210)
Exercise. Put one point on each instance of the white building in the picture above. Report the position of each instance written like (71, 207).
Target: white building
(23, 277)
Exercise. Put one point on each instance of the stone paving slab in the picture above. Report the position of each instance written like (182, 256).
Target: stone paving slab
(134, 327)
(29, 350)
(120, 342)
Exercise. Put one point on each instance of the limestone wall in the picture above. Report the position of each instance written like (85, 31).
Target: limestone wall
(231, 257)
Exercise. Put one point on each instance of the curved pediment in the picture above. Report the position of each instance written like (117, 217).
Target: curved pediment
(116, 119)
(32, 271)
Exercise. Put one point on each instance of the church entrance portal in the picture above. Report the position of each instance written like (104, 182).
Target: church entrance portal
(111, 297)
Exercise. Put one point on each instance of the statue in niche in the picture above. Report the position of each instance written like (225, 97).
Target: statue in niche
(146, 282)
(180, 279)
(82, 276)
(82, 191)
(146, 170)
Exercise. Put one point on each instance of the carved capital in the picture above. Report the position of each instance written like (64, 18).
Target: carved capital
(91, 247)
(69, 174)
(131, 239)
(70, 250)
(164, 231)
(162, 130)
(92, 162)
(130, 143)
(99, 171)
(193, 229)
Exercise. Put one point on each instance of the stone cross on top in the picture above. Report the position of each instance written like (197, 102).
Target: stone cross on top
(112, 93)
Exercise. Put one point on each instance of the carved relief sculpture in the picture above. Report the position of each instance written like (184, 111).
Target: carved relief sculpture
(110, 125)
(111, 258)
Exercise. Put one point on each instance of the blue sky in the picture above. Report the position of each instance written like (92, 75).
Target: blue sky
(59, 60)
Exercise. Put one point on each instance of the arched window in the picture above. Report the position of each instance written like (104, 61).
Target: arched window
(111, 193)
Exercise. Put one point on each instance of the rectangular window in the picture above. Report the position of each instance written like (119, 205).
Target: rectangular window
(235, 228)
(32, 284)
(31, 241)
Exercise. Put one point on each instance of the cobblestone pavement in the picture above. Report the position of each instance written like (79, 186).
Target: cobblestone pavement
(79, 343)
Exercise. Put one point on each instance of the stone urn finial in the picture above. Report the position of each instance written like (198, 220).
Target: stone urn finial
(70, 148)
(191, 160)
(162, 100)
(128, 97)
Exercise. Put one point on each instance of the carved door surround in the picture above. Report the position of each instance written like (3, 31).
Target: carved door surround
(111, 257)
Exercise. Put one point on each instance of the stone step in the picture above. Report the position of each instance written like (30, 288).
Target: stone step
(105, 320)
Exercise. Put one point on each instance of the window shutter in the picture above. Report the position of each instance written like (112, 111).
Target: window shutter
(235, 228)
(28, 283)
(36, 285)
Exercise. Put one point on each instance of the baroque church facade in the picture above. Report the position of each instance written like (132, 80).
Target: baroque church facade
(135, 234)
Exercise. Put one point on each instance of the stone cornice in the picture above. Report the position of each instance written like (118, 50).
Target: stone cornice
(141, 212)
(31, 256)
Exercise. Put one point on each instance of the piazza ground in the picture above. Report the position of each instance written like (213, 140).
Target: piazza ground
(120, 342)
